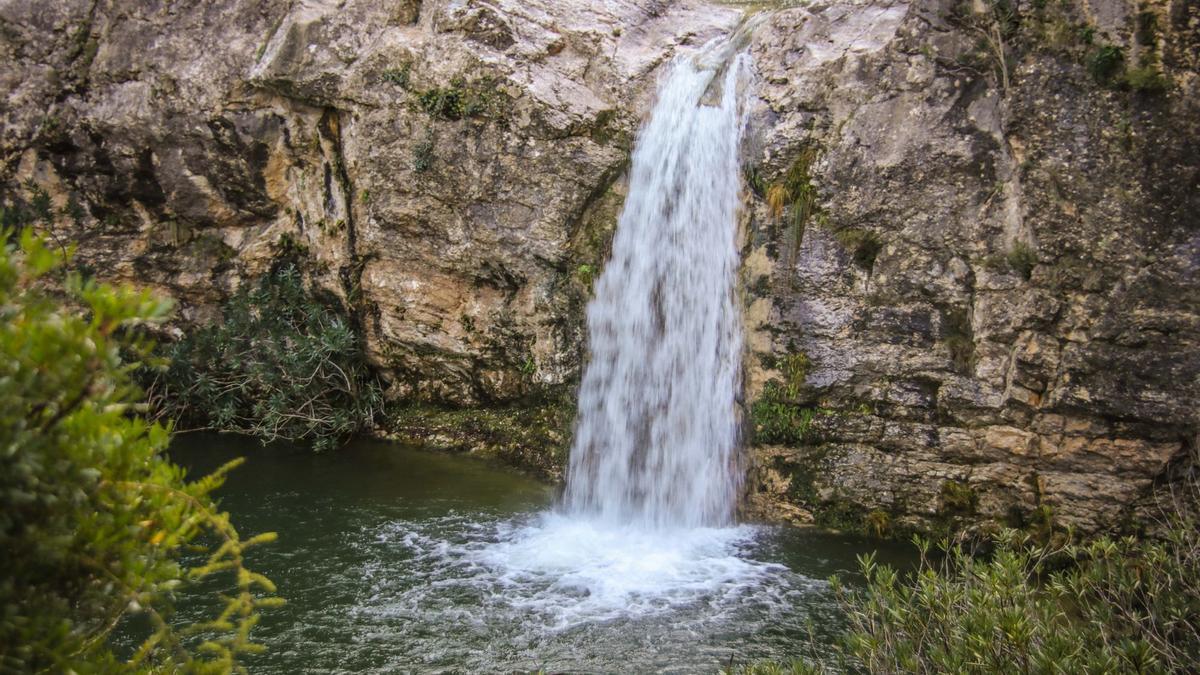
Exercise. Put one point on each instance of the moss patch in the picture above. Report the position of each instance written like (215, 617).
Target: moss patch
(534, 438)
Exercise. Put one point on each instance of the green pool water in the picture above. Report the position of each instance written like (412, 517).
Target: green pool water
(395, 559)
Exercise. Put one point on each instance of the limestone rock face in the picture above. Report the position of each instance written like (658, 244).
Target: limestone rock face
(996, 289)
(971, 238)
(452, 169)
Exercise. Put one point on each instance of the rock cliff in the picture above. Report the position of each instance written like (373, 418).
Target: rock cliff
(978, 299)
(971, 230)
(451, 168)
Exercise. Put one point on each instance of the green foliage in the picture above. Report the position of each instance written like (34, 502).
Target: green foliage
(863, 245)
(397, 76)
(462, 99)
(778, 420)
(754, 181)
(1016, 604)
(94, 520)
(1105, 64)
(957, 498)
(1021, 258)
(1104, 607)
(423, 153)
(878, 523)
(586, 274)
(280, 365)
(448, 103)
(794, 190)
(795, 369)
(1146, 78)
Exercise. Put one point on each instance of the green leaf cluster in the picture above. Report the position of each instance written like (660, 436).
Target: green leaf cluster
(279, 365)
(778, 420)
(1021, 605)
(94, 520)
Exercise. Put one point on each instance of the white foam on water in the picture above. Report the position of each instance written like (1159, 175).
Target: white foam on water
(553, 572)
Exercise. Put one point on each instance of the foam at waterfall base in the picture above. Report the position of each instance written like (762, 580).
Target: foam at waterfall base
(553, 572)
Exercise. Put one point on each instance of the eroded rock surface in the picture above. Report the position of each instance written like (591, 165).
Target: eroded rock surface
(988, 309)
(995, 296)
(451, 168)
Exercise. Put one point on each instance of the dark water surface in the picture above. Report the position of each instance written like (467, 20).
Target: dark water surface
(395, 559)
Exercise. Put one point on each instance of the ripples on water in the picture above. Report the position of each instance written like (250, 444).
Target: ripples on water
(546, 591)
(398, 560)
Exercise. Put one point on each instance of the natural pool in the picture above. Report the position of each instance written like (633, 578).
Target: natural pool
(395, 559)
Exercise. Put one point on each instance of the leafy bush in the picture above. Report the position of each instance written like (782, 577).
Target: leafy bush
(1109, 606)
(280, 365)
(1106, 63)
(778, 420)
(397, 76)
(93, 518)
(462, 99)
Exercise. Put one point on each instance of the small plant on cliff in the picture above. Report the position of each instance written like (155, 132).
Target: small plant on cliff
(397, 76)
(97, 527)
(794, 190)
(280, 365)
(994, 24)
(423, 153)
(1022, 259)
(864, 246)
(1105, 64)
(777, 420)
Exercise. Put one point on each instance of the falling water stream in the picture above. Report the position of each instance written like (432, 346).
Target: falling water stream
(656, 441)
(396, 560)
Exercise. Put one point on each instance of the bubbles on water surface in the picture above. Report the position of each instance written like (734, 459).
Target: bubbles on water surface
(566, 591)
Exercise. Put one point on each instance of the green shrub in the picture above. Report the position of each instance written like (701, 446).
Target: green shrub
(795, 369)
(1109, 606)
(776, 419)
(448, 103)
(462, 99)
(397, 76)
(279, 365)
(586, 275)
(957, 498)
(1105, 64)
(793, 190)
(1023, 606)
(754, 181)
(94, 520)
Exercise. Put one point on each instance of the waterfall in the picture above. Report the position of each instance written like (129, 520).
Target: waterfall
(657, 432)
(643, 540)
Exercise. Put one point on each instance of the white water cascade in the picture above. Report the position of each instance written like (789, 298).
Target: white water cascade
(643, 545)
(656, 440)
